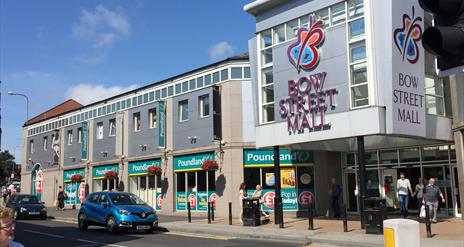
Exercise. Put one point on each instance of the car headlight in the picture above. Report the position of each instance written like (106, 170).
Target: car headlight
(44, 209)
(23, 210)
(124, 212)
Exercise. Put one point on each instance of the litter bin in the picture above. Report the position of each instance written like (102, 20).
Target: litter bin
(251, 214)
(374, 215)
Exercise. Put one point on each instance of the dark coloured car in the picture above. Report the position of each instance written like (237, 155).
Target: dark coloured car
(27, 206)
(116, 211)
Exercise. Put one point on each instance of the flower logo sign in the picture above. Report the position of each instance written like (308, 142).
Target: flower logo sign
(304, 53)
(407, 37)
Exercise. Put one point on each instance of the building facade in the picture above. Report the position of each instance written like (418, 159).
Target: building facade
(327, 72)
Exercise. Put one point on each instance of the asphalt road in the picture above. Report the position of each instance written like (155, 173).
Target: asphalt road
(49, 233)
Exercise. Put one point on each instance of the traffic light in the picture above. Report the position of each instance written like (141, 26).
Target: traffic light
(446, 38)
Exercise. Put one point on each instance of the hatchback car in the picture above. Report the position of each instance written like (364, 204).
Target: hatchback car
(116, 211)
(27, 206)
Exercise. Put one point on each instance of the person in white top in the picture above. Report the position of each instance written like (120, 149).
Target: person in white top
(403, 187)
(243, 195)
(7, 228)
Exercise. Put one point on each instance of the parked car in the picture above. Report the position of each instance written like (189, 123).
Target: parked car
(27, 206)
(117, 211)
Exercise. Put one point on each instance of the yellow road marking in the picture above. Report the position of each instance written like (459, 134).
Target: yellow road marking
(64, 221)
(196, 235)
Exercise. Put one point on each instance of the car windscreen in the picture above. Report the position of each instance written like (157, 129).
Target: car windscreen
(126, 199)
(27, 200)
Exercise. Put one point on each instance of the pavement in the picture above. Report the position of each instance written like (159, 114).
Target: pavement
(448, 232)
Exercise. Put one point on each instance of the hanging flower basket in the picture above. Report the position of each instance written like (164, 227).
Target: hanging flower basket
(154, 170)
(210, 165)
(76, 178)
(111, 174)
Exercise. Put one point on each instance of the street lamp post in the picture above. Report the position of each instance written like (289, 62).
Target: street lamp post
(27, 102)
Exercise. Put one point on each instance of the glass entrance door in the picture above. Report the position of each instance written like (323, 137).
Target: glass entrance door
(457, 202)
(351, 189)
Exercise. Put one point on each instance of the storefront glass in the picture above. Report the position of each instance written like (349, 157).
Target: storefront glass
(100, 180)
(75, 189)
(144, 184)
(37, 179)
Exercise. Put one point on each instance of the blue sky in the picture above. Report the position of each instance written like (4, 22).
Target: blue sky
(52, 50)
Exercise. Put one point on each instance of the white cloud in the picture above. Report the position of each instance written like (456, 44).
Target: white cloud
(100, 28)
(220, 50)
(87, 93)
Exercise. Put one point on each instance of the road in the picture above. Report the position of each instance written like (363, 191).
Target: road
(50, 233)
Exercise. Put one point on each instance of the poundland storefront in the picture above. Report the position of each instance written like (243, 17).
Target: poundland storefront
(145, 181)
(74, 185)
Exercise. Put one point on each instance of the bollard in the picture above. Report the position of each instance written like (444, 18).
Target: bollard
(230, 213)
(345, 219)
(209, 212)
(189, 214)
(212, 210)
(310, 217)
(428, 225)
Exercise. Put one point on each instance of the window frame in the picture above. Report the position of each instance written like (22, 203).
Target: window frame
(100, 131)
(152, 113)
(201, 106)
(136, 121)
(112, 127)
(69, 136)
(181, 110)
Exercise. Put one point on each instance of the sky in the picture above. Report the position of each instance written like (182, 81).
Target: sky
(54, 50)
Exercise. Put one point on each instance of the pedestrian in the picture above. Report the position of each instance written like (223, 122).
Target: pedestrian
(61, 198)
(258, 193)
(419, 193)
(4, 195)
(335, 191)
(243, 195)
(431, 193)
(403, 187)
(7, 229)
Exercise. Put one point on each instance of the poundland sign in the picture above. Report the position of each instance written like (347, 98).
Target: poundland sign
(191, 162)
(141, 167)
(255, 158)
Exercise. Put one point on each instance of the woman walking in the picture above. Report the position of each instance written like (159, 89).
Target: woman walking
(243, 195)
(419, 193)
(61, 198)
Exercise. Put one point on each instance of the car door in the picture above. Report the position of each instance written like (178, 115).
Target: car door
(102, 209)
(91, 205)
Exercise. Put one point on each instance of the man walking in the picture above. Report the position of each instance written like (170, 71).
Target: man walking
(336, 190)
(403, 187)
(431, 193)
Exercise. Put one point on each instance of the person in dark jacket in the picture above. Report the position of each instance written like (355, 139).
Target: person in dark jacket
(61, 198)
(335, 190)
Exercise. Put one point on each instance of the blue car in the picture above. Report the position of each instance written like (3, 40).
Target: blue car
(117, 211)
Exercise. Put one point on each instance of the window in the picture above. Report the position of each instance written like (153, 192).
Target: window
(123, 104)
(279, 34)
(192, 84)
(224, 74)
(45, 143)
(79, 135)
(183, 111)
(355, 8)
(157, 94)
(267, 95)
(204, 105)
(178, 88)
(164, 93)
(118, 106)
(292, 28)
(31, 146)
(215, 77)
(185, 86)
(129, 103)
(246, 72)
(207, 79)
(356, 28)
(170, 90)
(324, 15)
(100, 130)
(152, 118)
(134, 101)
(236, 72)
(145, 98)
(434, 99)
(152, 96)
(136, 118)
(200, 81)
(337, 13)
(112, 127)
(70, 137)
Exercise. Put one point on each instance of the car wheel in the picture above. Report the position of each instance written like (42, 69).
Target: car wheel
(111, 225)
(16, 215)
(81, 222)
(150, 231)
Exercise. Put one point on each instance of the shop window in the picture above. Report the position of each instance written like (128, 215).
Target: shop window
(409, 155)
(180, 181)
(452, 152)
(201, 177)
(183, 111)
(45, 143)
(204, 105)
(143, 182)
(191, 182)
(211, 181)
(252, 177)
(158, 181)
(79, 135)
(371, 158)
(152, 117)
(350, 159)
(70, 137)
(100, 130)
(388, 157)
(151, 182)
(236, 72)
(267, 178)
(136, 121)
(112, 127)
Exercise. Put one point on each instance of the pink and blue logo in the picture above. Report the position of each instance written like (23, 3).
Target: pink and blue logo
(304, 53)
(407, 37)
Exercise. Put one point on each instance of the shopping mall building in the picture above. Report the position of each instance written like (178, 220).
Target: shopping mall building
(318, 75)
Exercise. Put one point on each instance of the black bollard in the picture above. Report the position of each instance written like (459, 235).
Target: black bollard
(212, 210)
(345, 219)
(310, 217)
(209, 212)
(230, 213)
(428, 225)
(189, 214)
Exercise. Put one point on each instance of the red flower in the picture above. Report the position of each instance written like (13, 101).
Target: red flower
(210, 165)
(154, 170)
(111, 174)
(76, 178)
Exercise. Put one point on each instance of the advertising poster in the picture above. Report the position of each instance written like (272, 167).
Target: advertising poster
(287, 178)
(213, 198)
(192, 198)
(270, 179)
(306, 197)
(289, 199)
(158, 201)
(181, 201)
(202, 199)
(71, 189)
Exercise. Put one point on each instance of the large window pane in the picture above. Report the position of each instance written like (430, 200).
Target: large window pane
(224, 74)
(279, 34)
(268, 94)
(435, 153)
(184, 86)
(388, 157)
(215, 77)
(357, 51)
(358, 73)
(268, 113)
(207, 79)
(266, 56)
(359, 95)
(292, 28)
(170, 90)
(200, 81)
(435, 105)
(236, 72)
(192, 84)
(178, 88)
(252, 177)
(267, 76)
(246, 72)
(409, 155)
(356, 28)
(355, 8)
(266, 38)
(338, 13)
(324, 15)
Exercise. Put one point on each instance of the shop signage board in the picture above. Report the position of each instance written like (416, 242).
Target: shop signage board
(99, 171)
(263, 158)
(191, 162)
(67, 174)
(137, 168)
(406, 113)
(292, 199)
(85, 141)
(161, 124)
